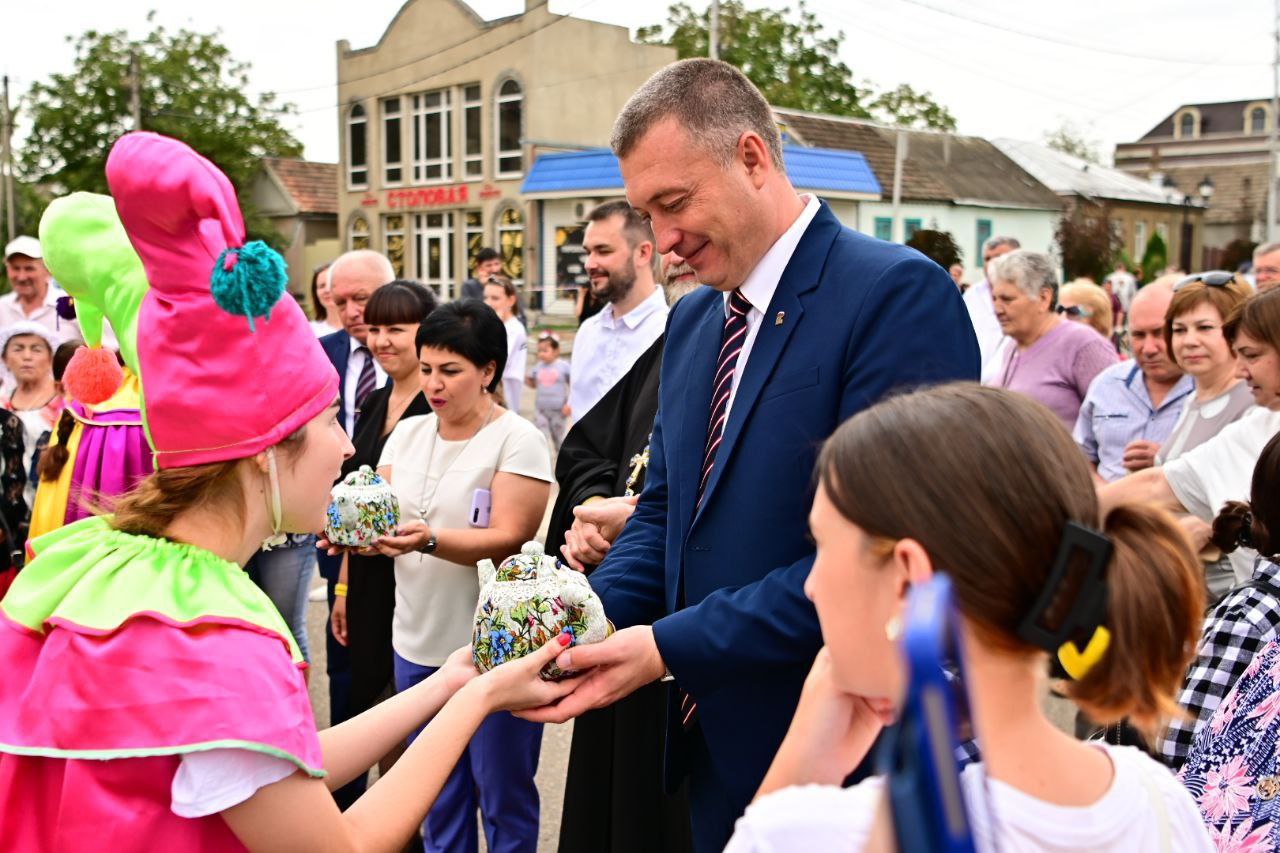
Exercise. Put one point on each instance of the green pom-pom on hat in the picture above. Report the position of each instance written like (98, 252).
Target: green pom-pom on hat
(248, 281)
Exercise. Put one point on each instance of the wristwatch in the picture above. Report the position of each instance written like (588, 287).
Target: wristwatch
(430, 547)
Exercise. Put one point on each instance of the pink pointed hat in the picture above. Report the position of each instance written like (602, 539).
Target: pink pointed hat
(231, 367)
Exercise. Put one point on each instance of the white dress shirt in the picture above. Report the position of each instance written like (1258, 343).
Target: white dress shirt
(991, 339)
(606, 346)
(355, 364)
(763, 281)
(46, 314)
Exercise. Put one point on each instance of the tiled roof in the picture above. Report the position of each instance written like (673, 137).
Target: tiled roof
(938, 167)
(1222, 117)
(312, 186)
(597, 169)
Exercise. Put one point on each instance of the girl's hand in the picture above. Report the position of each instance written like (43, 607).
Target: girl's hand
(518, 684)
(338, 619)
(459, 669)
(330, 548)
(409, 537)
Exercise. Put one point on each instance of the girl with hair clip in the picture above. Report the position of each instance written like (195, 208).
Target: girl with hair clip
(885, 518)
(1246, 620)
(153, 697)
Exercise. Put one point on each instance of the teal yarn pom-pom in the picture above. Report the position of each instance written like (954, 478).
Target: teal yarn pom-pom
(248, 281)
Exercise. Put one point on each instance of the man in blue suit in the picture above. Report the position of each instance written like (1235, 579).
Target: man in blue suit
(804, 323)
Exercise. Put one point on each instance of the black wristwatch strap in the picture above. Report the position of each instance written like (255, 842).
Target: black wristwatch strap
(430, 547)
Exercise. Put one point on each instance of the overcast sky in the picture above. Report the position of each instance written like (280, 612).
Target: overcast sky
(1005, 68)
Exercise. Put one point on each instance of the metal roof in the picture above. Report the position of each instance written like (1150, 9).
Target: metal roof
(1068, 175)
(844, 174)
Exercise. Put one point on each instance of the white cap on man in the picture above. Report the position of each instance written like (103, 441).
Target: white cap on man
(24, 245)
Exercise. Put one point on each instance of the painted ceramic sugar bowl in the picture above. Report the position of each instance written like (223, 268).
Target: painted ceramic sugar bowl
(525, 602)
(362, 509)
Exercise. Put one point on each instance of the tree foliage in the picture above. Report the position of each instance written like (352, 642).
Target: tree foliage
(1069, 139)
(793, 62)
(1155, 258)
(1087, 241)
(938, 246)
(191, 88)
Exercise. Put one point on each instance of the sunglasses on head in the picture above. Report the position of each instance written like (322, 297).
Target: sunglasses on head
(1216, 278)
(1074, 311)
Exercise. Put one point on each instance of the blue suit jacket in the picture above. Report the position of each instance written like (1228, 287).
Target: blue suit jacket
(852, 320)
(337, 346)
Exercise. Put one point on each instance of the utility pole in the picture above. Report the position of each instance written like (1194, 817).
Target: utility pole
(714, 30)
(6, 168)
(899, 157)
(135, 89)
(1270, 230)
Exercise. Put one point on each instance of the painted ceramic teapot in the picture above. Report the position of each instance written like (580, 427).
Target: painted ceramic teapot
(363, 508)
(528, 600)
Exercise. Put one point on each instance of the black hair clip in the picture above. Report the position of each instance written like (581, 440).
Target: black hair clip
(1087, 611)
(1245, 537)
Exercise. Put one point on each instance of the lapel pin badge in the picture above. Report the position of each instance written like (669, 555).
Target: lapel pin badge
(782, 315)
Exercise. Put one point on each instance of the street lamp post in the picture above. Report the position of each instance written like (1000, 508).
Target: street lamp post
(1205, 189)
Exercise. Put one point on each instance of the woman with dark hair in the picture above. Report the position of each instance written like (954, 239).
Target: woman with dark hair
(887, 517)
(327, 321)
(473, 479)
(366, 590)
(1247, 619)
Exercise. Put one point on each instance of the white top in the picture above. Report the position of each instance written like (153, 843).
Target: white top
(435, 481)
(1144, 809)
(1221, 470)
(991, 340)
(355, 364)
(517, 349)
(46, 314)
(215, 780)
(762, 282)
(322, 328)
(1124, 286)
(606, 346)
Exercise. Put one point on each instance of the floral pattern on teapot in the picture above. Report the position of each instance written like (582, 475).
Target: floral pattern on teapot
(363, 508)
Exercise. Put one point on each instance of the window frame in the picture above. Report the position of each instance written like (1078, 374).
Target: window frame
(499, 153)
(388, 135)
(362, 121)
(421, 114)
(471, 106)
(351, 236)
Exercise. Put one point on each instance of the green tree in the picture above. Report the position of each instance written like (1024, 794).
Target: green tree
(906, 107)
(792, 62)
(1069, 139)
(1155, 258)
(938, 246)
(1087, 242)
(190, 88)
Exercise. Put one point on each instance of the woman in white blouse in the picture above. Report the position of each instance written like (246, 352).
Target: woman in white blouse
(887, 515)
(473, 480)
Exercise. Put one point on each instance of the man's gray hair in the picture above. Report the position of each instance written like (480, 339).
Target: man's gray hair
(1266, 249)
(368, 259)
(996, 242)
(713, 101)
(1030, 272)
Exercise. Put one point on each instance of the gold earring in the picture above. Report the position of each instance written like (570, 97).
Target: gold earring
(893, 629)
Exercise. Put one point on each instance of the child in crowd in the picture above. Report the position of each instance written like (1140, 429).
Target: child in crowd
(885, 517)
(550, 378)
(500, 295)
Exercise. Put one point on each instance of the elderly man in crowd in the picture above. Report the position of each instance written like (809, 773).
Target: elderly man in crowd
(1266, 266)
(32, 296)
(1050, 360)
(977, 299)
(1132, 406)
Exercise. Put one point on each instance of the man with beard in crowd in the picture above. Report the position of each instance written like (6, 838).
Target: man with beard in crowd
(614, 802)
(619, 261)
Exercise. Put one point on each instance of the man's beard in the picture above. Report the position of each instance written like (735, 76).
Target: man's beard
(673, 289)
(617, 284)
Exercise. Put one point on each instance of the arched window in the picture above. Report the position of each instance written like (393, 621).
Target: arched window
(508, 107)
(1187, 126)
(357, 148)
(1258, 120)
(511, 243)
(358, 233)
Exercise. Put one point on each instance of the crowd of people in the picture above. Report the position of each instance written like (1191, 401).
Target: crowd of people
(768, 433)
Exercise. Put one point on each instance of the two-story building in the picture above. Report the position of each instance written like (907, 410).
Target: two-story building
(442, 118)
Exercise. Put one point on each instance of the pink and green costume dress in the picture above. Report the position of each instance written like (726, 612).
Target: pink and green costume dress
(122, 654)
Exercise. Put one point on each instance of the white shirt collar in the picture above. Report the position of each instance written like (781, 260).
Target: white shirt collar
(763, 280)
(355, 344)
(633, 318)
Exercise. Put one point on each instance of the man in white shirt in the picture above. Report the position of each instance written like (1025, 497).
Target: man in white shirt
(1123, 285)
(352, 280)
(32, 296)
(982, 311)
(619, 260)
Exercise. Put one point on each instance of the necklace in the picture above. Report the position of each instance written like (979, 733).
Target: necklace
(15, 408)
(424, 500)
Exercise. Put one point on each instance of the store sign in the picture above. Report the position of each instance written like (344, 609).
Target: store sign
(427, 197)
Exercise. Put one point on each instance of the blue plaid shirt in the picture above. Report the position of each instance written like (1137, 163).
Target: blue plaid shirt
(1117, 410)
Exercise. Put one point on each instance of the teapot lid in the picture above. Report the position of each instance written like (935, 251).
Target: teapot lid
(532, 549)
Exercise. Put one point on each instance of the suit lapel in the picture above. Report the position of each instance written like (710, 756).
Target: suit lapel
(800, 276)
(701, 367)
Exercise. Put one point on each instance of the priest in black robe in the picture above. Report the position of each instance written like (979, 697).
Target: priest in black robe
(614, 800)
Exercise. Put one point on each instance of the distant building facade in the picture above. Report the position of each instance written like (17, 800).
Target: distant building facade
(300, 198)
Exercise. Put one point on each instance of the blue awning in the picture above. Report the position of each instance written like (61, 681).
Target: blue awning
(595, 172)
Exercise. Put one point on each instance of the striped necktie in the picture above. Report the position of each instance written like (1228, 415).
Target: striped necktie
(732, 340)
(368, 379)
